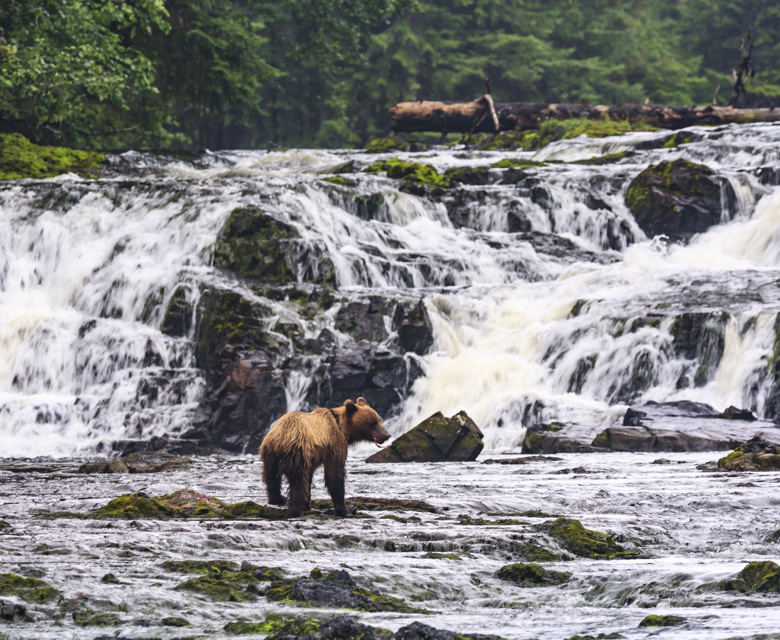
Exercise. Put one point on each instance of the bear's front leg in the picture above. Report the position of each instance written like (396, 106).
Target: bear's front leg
(335, 476)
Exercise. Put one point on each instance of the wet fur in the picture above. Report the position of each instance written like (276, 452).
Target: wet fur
(299, 443)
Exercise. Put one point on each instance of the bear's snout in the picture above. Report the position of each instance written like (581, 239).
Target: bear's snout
(381, 435)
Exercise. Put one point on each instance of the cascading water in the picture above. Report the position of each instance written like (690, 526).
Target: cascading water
(544, 294)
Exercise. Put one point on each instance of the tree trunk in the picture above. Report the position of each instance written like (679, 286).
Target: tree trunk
(466, 117)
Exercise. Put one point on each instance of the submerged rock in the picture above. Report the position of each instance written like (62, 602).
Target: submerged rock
(362, 503)
(757, 576)
(436, 439)
(91, 618)
(584, 542)
(756, 454)
(12, 611)
(654, 620)
(531, 575)
(678, 199)
(140, 462)
(335, 589)
(184, 503)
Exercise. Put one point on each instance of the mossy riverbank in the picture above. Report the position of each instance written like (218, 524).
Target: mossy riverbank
(20, 158)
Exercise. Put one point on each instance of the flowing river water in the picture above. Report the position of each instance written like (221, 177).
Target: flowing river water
(88, 267)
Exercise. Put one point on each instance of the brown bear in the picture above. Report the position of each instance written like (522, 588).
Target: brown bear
(300, 442)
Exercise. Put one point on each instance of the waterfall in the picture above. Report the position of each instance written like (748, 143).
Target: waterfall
(546, 299)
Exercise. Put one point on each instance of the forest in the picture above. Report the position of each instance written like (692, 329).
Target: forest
(192, 74)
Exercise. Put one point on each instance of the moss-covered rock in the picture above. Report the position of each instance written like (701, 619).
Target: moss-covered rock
(531, 575)
(89, 618)
(503, 522)
(761, 577)
(554, 130)
(140, 462)
(184, 503)
(175, 621)
(226, 586)
(200, 566)
(339, 181)
(435, 439)
(386, 145)
(364, 503)
(414, 176)
(654, 620)
(20, 158)
(275, 623)
(523, 163)
(754, 455)
(468, 175)
(335, 589)
(678, 199)
(177, 321)
(610, 158)
(28, 589)
(584, 542)
(509, 141)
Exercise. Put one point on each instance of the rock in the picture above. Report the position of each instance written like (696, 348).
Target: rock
(178, 317)
(12, 611)
(435, 439)
(732, 413)
(531, 575)
(420, 631)
(656, 440)
(756, 454)
(175, 622)
(761, 577)
(413, 324)
(335, 589)
(700, 337)
(28, 589)
(678, 199)
(584, 542)
(260, 247)
(91, 618)
(385, 145)
(362, 503)
(245, 393)
(184, 503)
(543, 438)
(141, 462)
(20, 158)
(469, 175)
(633, 418)
(654, 620)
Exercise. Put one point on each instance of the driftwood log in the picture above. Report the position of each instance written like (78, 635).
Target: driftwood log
(481, 115)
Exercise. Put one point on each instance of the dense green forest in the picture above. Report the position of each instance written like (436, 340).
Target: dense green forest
(260, 73)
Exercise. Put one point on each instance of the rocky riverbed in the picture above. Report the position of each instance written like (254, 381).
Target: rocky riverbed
(678, 534)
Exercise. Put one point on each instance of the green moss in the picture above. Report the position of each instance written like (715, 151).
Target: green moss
(363, 503)
(200, 566)
(654, 620)
(504, 522)
(757, 576)
(534, 552)
(467, 175)
(531, 575)
(610, 158)
(338, 180)
(225, 586)
(508, 163)
(29, 589)
(585, 542)
(411, 174)
(554, 130)
(385, 145)
(184, 503)
(175, 622)
(678, 138)
(91, 618)
(19, 158)
(272, 624)
(510, 140)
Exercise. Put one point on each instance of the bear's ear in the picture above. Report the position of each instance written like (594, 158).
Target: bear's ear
(361, 401)
(350, 406)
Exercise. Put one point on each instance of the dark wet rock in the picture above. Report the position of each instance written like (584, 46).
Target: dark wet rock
(175, 621)
(609, 158)
(435, 439)
(732, 413)
(522, 460)
(413, 324)
(700, 337)
(178, 317)
(531, 575)
(245, 392)
(469, 175)
(12, 611)
(200, 566)
(141, 462)
(335, 589)
(110, 578)
(28, 589)
(294, 627)
(420, 631)
(89, 618)
(584, 542)
(533, 552)
(654, 620)
(756, 454)
(4, 526)
(633, 418)
(364, 319)
(678, 199)
(503, 522)
(658, 440)
(184, 503)
(545, 438)
(362, 503)
(763, 577)
(197, 443)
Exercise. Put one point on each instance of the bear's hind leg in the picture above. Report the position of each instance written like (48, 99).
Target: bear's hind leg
(299, 493)
(307, 504)
(273, 481)
(335, 476)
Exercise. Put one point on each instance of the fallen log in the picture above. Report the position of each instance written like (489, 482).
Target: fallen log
(475, 116)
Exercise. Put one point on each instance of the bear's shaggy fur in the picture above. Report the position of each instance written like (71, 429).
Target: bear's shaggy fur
(301, 442)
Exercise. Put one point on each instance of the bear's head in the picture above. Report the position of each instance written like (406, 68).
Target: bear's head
(363, 423)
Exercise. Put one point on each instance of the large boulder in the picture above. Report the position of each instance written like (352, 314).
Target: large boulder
(678, 199)
(756, 454)
(436, 439)
(258, 246)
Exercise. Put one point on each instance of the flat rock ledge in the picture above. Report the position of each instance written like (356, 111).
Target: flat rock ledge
(436, 439)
